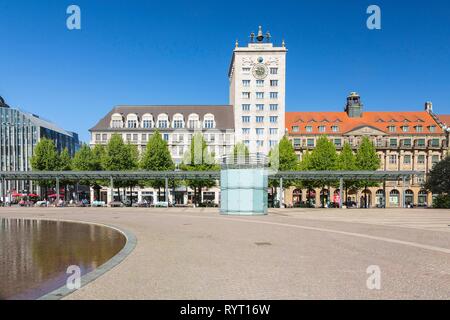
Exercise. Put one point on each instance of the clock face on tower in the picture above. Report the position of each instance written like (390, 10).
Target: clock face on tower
(260, 71)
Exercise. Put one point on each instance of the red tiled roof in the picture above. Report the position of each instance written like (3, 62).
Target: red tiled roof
(445, 118)
(378, 120)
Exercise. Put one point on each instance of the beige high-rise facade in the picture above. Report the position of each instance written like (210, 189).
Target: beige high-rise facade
(257, 77)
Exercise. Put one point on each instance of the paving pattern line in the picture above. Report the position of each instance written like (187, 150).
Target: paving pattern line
(346, 233)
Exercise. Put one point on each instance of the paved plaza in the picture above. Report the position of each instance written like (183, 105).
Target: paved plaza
(290, 254)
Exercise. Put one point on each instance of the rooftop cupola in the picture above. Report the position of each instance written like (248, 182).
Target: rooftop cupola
(354, 107)
(260, 37)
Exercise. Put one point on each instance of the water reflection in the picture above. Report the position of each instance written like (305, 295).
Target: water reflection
(35, 254)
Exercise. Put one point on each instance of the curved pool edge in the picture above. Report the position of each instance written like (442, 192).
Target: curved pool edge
(130, 245)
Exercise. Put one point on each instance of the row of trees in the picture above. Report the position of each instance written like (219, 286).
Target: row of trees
(325, 157)
(120, 156)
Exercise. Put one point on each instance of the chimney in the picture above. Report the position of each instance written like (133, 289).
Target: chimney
(429, 106)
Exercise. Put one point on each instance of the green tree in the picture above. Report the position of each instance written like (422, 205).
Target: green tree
(438, 182)
(323, 158)
(346, 161)
(157, 157)
(87, 159)
(45, 158)
(65, 164)
(367, 160)
(240, 150)
(282, 157)
(120, 157)
(197, 158)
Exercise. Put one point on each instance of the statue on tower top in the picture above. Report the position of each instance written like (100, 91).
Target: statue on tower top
(260, 36)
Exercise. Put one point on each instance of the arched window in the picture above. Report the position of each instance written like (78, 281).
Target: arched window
(147, 121)
(116, 121)
(193, 121)
(163, 121)
(208, 121)
(178, 121)
(132, 121)
(422, 198)
(394, 197)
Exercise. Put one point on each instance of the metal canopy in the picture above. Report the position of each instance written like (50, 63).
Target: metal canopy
(183, 175)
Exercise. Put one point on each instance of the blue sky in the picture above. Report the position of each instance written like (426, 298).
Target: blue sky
(178, 52)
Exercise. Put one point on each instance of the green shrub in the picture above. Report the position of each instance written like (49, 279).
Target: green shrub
(442, 201)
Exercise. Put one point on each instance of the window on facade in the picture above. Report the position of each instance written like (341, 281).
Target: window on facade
(97, 137)
(132, 123)
(260, 95)
(104, 137)
(310, 142)
(128, 137)
(178, 124)
(393, 159)
(321, 128)
(259, 131)
(259, 119)
(245, 130)
(162, 123)
(273, 107)
(432, 128)
(193, 124)
(273, 70)
(245, 70)
(272, 143)
(209, 124)
(391, 128)
(245, 95)
(434, 159)
(297, 142)
(245, 119)
(144, 137)
(308, 128)
(434, 142)
(392, 142)
(407, 159)
(260, 107)
(295, 129)
(273, 119)
(406, 142)
(273, 130)
(166, 137)
(405, 128)
(419, 129)
(420, 142)
(260, 83)
(247, 142)
(260, 143)
(147, 124)
(337, 142)
(135, 137)
(421, 159)
(335, 128)
(246, 83)
(245, 107)
(273, 95)
(274, 83)
(116, 123)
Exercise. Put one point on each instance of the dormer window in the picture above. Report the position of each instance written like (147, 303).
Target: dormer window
(335, 128)
(208, 121)
(419, 129)
(391, 128)
(295, 129)
(321, 128)
(432, 128)
(131, 124)
(405, 128)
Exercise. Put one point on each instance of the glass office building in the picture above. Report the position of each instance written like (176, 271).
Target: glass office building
(19, 133)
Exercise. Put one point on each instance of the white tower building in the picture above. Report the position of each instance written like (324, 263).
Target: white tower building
(257, 77)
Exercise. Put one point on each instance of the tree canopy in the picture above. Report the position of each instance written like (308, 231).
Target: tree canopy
(438, 179)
